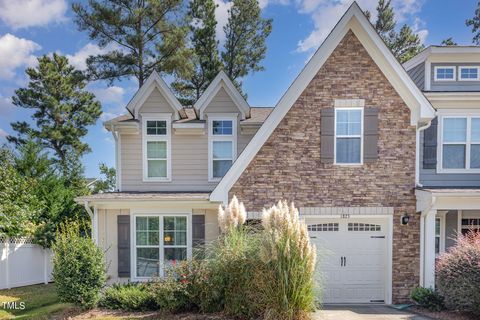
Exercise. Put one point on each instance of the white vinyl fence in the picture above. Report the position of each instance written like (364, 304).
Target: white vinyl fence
(23, 263)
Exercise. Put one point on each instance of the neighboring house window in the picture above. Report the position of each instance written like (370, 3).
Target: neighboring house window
(156, 149)
(222, 145)
(470, 225)
(159, 241)
(445, 73)
(437, 235)
(460, 143)
(348, 135)
(469, 74)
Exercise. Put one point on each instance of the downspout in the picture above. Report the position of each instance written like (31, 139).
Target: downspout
(417, 154)
(117, 157)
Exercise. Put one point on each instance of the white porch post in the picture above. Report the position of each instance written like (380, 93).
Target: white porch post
(429, 247)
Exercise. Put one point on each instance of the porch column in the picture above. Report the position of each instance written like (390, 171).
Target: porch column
(429, 247)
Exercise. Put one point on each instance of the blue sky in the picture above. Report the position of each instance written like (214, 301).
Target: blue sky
(29, 28)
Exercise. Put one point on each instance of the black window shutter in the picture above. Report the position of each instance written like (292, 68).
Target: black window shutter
(370, 139)
(430, 146)
(327, 132)
(123, 233)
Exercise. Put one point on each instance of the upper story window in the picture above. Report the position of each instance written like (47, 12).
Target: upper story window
(222, 146)
(460, 147)
(445, 73)
(348, 135)
(156, 149)
(469, 73)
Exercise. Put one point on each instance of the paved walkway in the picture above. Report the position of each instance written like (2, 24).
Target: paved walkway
(364, 312)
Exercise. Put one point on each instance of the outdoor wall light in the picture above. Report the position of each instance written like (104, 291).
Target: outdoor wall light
(404, 219)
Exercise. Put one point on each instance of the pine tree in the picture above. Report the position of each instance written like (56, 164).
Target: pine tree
(475, 24)
(449, 42)
(149, 36)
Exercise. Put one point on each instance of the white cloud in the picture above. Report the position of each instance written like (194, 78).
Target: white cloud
(326, 13)
(221, 13)
(108, 115)
(111, 94)
(15, 52)
(19, 14)
(79, 59)
(3, 133)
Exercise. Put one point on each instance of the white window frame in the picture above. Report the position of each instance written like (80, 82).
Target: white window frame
(166, 138)
(361, 136)
(441, 217)
(468, 67)
(468, 143)
(445, 67)
(161, 246)
(213, 138)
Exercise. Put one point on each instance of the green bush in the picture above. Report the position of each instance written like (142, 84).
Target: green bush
(78, 267)
(427, 298)
(170, 293)
(130, 297)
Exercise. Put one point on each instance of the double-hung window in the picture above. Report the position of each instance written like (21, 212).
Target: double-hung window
(160, 240)
(348, 135)
(222, 146)
(444, 73)
(460, 148)
(469, 73)
(156, 149)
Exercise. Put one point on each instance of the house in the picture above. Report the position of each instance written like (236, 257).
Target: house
(347, 142)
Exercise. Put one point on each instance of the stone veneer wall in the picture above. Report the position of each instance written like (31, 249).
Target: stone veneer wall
(288, 165)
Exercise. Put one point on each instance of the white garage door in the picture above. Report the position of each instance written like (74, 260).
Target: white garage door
(352, 259)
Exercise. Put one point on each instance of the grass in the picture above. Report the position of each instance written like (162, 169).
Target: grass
(40, 302)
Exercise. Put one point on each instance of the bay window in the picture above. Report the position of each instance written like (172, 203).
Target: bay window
(156, 153)
(348, 135)
(222, 145)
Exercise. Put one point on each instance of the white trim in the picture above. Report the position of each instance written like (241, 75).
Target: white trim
(448, 114)
(213, 138)
(428, 74)
(468, 67)
(133, 238)
(95, 225)
(348, 136)
(222, 81)
(354, 19)
(194, 125)
(451, 51)
(445, 67)
(167, 138)
(152, 82)
(441, 216)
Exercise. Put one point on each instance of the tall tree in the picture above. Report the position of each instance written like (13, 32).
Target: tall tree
(475, 24)
(62, 110)
(404, 44)
(147, 34)
(449, 42)
(205, 59)
(108, 184)
(246, 33)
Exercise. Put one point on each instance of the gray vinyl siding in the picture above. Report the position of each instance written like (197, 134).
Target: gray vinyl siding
(451, 225)
(430, 177)
(221, 103)
(453, 85)
(417, 74)
(156, 103)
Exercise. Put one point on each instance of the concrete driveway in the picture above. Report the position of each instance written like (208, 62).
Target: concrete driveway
(364, 312)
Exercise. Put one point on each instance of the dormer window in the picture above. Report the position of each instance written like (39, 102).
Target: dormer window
(222, 146)
(469, 73)
(444, 73)
(156, 149)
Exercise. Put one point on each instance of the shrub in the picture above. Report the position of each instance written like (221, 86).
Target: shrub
(130, 297)
(427, 298)
(170, 293)
(458, 274)
(78, 267)
(287, 281)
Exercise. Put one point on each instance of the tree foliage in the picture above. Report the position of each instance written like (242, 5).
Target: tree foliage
(148, 35)
(449, 42)
(474, 23)
(62, 111)
(107, 184)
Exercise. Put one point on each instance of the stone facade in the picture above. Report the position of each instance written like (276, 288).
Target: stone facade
(288, 165)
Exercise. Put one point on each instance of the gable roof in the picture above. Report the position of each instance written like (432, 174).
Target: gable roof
(154, 81)
(222, 81)
(354, 19)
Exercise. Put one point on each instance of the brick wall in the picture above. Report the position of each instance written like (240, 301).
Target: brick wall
(288, 165)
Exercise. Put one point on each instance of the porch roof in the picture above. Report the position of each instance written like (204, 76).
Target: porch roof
(449, 192)
(145, 196)
(447, 199)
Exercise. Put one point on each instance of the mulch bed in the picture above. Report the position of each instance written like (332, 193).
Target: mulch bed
(77, 314)
(443, 315)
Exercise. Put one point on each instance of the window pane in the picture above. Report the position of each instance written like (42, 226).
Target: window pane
(156, 127)
(222, 127)
(445, 73)
(157, 168)
(147, 262)
(453, 156)
(142, 238)
(181, 238)
(437, 227)
(175, 254)
(169, 238)
(222, 149)
(454, 129)
(349, 122)
(220, 167)
(153, 223)
(157, 149)
(142, 223)
(475, 156)
(468, 73)
(169, 223)
(475, 129)
(153, 238)
(180, 223)
(348, 150)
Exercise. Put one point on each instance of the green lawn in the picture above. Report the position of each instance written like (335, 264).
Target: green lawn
(40, 301)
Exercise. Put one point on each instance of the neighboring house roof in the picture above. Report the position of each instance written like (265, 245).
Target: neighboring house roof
(258, 115)
(222, 81)
(160, 196)
(354, 19)
(422, 56)
(154, 81)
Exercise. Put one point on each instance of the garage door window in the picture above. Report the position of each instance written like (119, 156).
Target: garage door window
(323, 227)
(364, 227)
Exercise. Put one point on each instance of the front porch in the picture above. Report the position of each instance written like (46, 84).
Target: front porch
(445, 214)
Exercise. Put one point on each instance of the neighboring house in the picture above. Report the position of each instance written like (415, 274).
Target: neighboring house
(343, 143)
